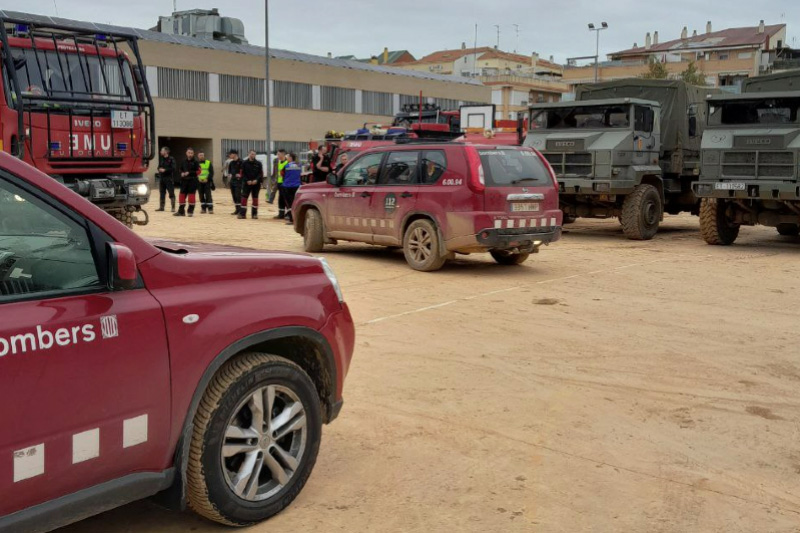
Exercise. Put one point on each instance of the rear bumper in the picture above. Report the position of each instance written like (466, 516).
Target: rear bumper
(508, 239)
(759, 190)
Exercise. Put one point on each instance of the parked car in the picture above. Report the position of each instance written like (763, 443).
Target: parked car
(436, 200)
(129, 369)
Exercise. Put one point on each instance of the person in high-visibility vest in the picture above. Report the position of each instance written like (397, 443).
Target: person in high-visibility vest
(276, 176)
(206, 184)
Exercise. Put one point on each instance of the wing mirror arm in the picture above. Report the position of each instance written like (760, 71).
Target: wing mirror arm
(333, 179)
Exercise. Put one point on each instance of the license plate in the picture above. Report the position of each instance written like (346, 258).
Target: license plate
(525, 207)
(728, 186)
(122, 120)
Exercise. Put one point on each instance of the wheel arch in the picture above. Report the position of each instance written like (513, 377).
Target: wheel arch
(304, 346)
(300, 219)
(413, 216)
(656, 182)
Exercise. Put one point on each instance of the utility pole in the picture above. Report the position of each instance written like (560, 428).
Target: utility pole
(475, 53)
(266, 84)
(603, 26)
(516, 27)
(498, 36)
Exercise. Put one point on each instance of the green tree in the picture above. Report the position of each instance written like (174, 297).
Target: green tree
(656, 70)
(693, 75)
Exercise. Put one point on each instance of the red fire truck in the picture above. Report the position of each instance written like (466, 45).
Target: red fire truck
(75, 104)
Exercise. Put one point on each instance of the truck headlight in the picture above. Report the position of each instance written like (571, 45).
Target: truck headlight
(140, 190)
(332, 277)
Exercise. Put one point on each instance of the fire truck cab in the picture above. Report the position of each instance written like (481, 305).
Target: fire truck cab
(75, 104)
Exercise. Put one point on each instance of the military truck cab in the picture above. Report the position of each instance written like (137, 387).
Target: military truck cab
(751, 152)
(626, 149)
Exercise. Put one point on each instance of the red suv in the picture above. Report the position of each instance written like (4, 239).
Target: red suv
(436, 200)
(129, 369)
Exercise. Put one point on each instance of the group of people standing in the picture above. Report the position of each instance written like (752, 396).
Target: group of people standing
(193, 175)
(244, 177)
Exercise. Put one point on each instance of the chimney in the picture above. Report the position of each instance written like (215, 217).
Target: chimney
(463, 45)
(655, 38)
(708, 27)
(385, 55)
(552, 59)
(330, 55)
(761, 27)
(685, 33)
(647, 41)
(636, 45)
(694, 33)
(373, 60)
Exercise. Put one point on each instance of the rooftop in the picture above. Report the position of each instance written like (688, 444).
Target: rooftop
(287, 55)
(729, 38)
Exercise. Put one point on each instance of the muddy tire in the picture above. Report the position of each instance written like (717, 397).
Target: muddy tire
(715, 227)
(641, 213)
(569, 219)
(421, 246)
(788, 230)
(313, 233)
(125, 216)
(255, 440)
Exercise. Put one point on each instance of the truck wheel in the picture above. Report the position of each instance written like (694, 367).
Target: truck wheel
(508, 258)
(715, 226)
(124, 216)
(789, 230)
(255, 440)
(421, 246)
(641, 213)
(569, 219)
(313, 234)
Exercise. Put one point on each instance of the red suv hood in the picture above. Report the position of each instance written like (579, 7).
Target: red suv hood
(180, 248)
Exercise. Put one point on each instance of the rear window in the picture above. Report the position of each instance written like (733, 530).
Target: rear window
(512, 167)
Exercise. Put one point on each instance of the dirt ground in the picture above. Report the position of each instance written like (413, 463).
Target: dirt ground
(605, 385)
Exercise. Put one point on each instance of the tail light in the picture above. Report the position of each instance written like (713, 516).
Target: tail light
(476, 182)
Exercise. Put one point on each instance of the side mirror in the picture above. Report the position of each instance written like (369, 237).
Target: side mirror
(333, 179)
(122, 273)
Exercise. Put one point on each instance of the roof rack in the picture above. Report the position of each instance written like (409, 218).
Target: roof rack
(412, 140)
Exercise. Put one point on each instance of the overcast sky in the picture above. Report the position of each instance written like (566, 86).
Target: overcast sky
(363, 27)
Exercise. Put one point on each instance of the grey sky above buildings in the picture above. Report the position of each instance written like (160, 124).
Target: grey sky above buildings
(363, 27)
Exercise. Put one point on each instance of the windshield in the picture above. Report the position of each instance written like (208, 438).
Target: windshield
(583, 117)
(69, 75)
(512, 167)
(774, 111)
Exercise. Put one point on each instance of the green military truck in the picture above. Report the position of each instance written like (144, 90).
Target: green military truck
(628, 149)
(751, 153)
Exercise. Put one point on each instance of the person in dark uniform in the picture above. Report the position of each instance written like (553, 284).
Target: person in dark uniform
(206, 184)
(189, 171)
(252, 176)
(235, 180)
(166, 178)
(322, 164)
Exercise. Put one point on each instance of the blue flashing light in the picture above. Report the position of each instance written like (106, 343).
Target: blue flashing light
(55, 146)
(121, 147)
(21, 29)
(101, 37)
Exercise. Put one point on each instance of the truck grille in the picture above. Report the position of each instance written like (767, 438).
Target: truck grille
(570, 164)
(752, 164)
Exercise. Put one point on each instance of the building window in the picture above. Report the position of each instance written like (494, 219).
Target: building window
(182, 84)
(296, 147)
(338, 99)
(291, 94)
(723, 57)
(406, 99)
(446, 104)
(241, 90)
(243, 146)
(375, 103)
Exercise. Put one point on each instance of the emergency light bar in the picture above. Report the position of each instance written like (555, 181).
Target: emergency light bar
(21, 29)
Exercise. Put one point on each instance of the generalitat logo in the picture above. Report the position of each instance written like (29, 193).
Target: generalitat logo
(43, 339)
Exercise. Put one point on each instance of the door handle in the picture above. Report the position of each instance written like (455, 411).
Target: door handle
(406, 195)
(365, 194)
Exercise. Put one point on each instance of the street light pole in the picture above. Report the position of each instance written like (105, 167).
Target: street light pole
(266, 83)
(603, 26)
